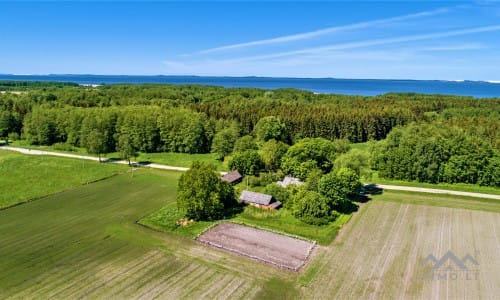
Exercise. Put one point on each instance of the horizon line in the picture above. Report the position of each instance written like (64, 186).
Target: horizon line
(494, 81)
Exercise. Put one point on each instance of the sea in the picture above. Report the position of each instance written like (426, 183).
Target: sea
(363, 87)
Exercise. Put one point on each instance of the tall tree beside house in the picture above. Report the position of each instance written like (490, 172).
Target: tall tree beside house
(272, 151)
(247, 162)
(201, 195)
(339, 187)
(223, 141)
(245, 143)
(312, 153)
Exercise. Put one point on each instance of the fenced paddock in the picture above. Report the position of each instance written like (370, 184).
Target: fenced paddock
(269, 247)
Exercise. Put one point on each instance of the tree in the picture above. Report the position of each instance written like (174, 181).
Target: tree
(354, 160)
(95, 143)
(269, 128)
(245, 143)
(312, 208)
(312, 180)
(246, 162)
(338, 187)
(183, 130)
(278, 192)
(126, 147)
(308, 154)
(7, 124)
(272, 152)
(201, 195)
(223, 142)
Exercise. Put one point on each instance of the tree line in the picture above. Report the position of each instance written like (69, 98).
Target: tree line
(457, 145)
(430, 138)
(303, 114)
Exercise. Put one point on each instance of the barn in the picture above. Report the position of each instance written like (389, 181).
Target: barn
(259, 200)
(232, 177)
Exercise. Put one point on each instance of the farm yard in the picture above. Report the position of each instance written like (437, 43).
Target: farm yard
(276, 249)
(85, 243)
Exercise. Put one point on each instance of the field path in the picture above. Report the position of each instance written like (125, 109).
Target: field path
(174, 168)
(437, 191)
(122, 162)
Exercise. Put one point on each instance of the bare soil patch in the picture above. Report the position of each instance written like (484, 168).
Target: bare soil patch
(272, 248)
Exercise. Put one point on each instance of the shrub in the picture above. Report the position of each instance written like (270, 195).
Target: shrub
(279, 193)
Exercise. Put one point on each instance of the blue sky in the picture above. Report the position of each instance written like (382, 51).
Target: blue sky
(342, 39)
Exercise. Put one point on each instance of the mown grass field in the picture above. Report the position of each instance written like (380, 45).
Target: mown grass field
(24, 177)
(84, 243)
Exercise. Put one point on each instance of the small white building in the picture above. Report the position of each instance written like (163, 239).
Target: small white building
(289, 180)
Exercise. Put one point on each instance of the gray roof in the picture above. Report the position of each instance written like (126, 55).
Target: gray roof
(289, 180)
(231, 176)
(258, 198)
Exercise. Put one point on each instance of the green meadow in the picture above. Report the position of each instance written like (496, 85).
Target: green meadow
(26, 177)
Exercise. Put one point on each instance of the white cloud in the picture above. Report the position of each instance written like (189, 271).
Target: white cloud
(325, 31)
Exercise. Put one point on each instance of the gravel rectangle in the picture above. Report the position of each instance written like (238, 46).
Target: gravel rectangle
(276, 249)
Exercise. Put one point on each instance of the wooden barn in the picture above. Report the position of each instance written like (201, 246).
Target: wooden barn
(232, 177)
(259, 200)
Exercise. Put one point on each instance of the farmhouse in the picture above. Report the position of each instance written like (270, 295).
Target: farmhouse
(232, 177)
(259, 200)
(289, 180)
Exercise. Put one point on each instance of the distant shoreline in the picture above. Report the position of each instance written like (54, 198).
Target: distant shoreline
(361, 87)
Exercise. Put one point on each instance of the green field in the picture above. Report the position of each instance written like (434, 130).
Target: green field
(25, 177)
(84, 243)
(181, 159)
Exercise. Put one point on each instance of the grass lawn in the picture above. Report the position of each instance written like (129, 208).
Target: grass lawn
(24, 177)
(181, 159)
(280, 221)
(84, 243)
(166, 219)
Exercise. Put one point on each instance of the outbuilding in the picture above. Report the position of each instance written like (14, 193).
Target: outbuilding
(259, 200)
(232, 177)
(289, 180)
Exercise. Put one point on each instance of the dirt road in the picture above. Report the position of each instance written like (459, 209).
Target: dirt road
(174, 168)
(437, 191)
(123, 162)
